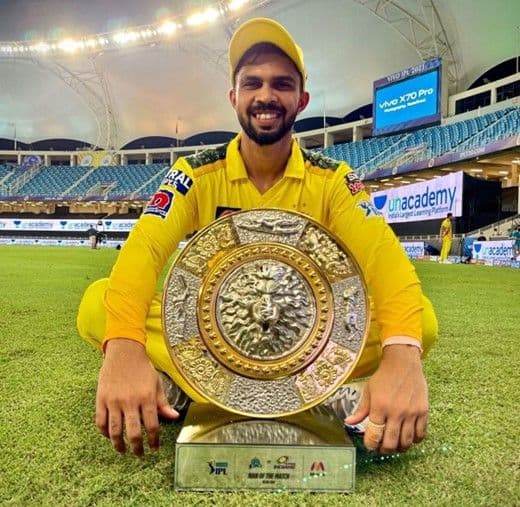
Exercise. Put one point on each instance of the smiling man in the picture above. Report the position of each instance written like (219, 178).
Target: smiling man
(262, 167)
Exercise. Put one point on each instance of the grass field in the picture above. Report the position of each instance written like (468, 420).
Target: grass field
(52, 454)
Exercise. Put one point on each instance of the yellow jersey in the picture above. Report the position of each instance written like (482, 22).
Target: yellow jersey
(200, 188)
(446, 229)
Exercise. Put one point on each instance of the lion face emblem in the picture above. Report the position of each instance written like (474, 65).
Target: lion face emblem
(265, 309)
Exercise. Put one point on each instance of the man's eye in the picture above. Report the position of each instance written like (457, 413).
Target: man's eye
(250, 84)
(284, 85)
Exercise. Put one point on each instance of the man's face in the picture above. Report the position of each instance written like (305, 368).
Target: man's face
(267, 98)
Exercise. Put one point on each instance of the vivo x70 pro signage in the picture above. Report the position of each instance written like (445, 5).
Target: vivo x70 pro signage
(427, 200)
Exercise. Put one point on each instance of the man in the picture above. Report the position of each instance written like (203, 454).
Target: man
(262, 167)
(446, 235)
(92, 236)
(515, 236)
(100, 230)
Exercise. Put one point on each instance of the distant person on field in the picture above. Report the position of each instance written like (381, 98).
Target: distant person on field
(446, 235)
(515, 236)
(92, 236)
(100, 228)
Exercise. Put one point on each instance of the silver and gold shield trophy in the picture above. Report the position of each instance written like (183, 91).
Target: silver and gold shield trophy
(265, 314)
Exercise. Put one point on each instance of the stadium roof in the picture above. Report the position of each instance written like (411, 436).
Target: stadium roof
(177, 87)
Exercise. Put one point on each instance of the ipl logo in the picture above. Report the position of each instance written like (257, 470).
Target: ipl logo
(217, 468)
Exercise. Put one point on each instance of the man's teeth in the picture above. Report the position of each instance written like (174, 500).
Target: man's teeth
(266, 116)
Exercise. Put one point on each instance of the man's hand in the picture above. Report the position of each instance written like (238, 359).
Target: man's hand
(130, 391)
(396, 396)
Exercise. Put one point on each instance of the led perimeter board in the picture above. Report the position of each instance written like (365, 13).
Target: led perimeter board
(408, 99)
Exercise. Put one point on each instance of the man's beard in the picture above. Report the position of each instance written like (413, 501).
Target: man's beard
(260, 137)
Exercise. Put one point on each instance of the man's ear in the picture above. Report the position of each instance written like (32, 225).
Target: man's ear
(304, 101)
(232, 95)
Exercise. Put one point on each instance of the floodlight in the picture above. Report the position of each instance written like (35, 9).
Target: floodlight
(207, 16)
(124, 37)
(234, 5)
(167, 28)
(68, 45)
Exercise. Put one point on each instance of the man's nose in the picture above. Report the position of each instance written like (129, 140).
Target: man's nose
(266, 94)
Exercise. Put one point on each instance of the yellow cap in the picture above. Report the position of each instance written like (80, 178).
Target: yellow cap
(257, 30)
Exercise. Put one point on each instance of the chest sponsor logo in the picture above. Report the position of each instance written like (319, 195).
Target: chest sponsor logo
(160, 204)
(178, 180)
(354, 184)
(223, 211)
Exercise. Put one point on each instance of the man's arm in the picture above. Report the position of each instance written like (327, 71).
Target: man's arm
(129, 389)
(443, 230)
(396, 394)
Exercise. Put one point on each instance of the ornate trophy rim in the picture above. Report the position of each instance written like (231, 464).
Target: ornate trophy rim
(207, 341)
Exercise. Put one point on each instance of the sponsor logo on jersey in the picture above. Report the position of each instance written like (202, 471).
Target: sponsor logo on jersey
(354, 184)
(369, 209)
(223, 211)
(178, 180)
(160, 203)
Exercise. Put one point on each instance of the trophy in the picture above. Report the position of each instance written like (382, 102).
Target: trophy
(265, 314)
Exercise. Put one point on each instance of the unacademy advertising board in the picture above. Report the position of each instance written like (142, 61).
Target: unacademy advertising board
(427, 200)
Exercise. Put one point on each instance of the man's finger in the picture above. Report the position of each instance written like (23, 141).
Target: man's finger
(421, 426)
(102, 419)
(361, 411)
(163, 407)
(133, 432)
(391, 437)
(407, 434)
(151, 424)
(115, 429)
(374, 431)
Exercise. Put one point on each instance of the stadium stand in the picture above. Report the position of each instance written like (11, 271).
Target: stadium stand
(77, 182)
(424, 144)
(134, 181)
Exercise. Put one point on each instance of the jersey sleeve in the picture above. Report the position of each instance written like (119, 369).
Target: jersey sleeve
(390, 276)
(169, 216)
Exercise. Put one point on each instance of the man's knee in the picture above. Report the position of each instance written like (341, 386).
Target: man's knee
(91, 319)
(430, 326)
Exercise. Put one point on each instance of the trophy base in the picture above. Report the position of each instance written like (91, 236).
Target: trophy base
(219, 450)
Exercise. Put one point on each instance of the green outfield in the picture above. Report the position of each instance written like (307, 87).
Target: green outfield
(52, 454)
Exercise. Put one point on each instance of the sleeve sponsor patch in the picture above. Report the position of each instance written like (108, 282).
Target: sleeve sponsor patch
(178, 180)
(369, 209)
(160, 204)
(354, 184)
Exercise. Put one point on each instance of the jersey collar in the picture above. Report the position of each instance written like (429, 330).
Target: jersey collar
(236, 169)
